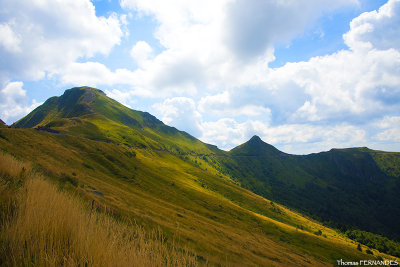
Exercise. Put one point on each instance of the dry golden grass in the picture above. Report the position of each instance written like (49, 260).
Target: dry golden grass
(52, 228)
(11, 169)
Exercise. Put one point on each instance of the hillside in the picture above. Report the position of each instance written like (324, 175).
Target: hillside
(45, 226)
(355, 188)
(138, 170)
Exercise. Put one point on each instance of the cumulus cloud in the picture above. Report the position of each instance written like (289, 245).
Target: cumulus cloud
(141, 52)
(360, 84)
(181, 113)
(204, 41)
(390, 129)
(253, 27)
(376, 29)
(224, 105)
(325, 98)
(121, 97)
(228, 133)
(44, 36)
(88, 73)
(339, 91)
(8, 39)
(14, 102)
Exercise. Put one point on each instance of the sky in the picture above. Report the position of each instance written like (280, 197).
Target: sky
(304, 75)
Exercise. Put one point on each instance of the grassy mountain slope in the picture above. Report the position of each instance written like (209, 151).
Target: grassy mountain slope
(138, 169)
(212, 216)
(346, 188)
(88, 112)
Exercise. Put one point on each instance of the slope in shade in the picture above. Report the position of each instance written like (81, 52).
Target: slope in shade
(346, 188)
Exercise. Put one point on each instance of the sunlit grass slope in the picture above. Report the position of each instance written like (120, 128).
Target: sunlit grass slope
(194, 205)
(43, 226)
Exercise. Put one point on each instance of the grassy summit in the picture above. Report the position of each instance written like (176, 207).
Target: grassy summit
(88, 112)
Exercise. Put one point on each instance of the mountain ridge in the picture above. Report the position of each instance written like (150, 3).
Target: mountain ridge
(89, 113)
(77, 102)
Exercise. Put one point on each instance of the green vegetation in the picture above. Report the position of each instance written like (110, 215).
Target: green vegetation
(344, 188)
(388, 162)
(136, 169)
(377, 242)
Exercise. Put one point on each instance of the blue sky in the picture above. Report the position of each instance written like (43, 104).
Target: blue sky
(305, 75)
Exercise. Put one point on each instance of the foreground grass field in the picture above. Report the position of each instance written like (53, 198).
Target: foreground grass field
(204, 216)
(43, 226)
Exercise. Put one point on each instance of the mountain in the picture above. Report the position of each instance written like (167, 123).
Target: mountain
(255, 147)
(88, 112)
(355, 188)
(2, 124)
(140, 170)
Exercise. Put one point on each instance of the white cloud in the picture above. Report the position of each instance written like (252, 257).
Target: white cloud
(223, 105)
(228, 133)
(46, 35)
(88, 74)
(8, 39)
(201, 40)
(141, 52)
(14, 102)
(253, 27)
(376, 29)
(390, 129)
(181, 113)
(337, 90)
(221, 57)
(121, 97)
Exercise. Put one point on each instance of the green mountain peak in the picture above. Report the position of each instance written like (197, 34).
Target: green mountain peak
(255, 147)
(255, 138)
(88, 112)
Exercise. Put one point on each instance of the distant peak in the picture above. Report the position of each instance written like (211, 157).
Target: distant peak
(256, 147)
(255, 138)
